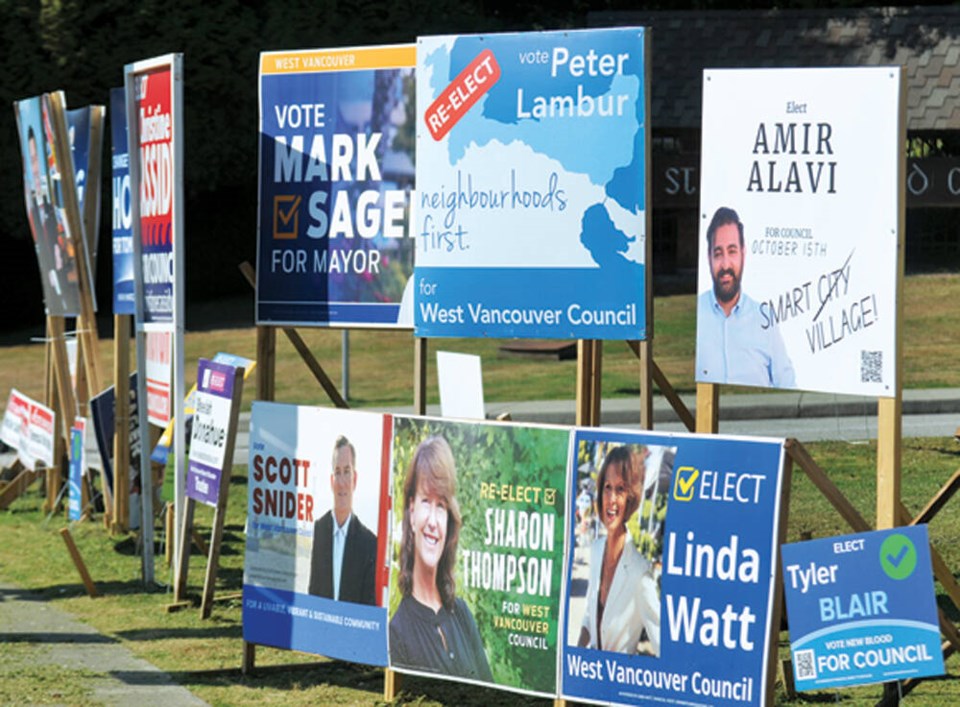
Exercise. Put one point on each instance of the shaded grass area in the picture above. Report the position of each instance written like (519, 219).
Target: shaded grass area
(205, 656)
(26, 677)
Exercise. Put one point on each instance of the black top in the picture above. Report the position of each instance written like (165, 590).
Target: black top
(445, 642)
(358, 574)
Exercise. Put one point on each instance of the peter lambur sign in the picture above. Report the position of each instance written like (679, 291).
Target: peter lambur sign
(530, 216)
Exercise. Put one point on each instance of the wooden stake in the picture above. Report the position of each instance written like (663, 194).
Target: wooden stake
(168, 528)
(87, 338)
(645, 354)
(419, 376)
(78, 562)
(587, 385)
(66, 408)
(266, 356)
(391, 684)
(889, 426)
(266, 362)
(121, 423)
(249, 658)
(778, 595)
(708, 408)
(183, 556)
(16, 488)
(829, 490)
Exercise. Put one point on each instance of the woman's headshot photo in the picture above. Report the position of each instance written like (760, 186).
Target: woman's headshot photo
(615, 577)
(433, 629)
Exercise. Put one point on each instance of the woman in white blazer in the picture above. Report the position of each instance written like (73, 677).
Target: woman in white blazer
(622, 597)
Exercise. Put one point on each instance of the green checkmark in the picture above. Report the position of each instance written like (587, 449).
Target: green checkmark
(898, 556)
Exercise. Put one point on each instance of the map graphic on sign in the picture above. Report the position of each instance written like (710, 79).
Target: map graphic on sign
(530, 212)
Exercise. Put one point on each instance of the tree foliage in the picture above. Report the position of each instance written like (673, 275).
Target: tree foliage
(81, 47)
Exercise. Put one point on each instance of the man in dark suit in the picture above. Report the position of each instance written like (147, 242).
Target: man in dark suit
(344, 557)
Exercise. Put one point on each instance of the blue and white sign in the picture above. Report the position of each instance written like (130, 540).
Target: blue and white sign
(685, 616)
(530, 214)
(311, 470)
(77, 466)
(123, 291)
(862, 609)
(334, 246)
(210, 436)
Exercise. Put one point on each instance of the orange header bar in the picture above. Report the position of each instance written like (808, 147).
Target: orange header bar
(400, 56)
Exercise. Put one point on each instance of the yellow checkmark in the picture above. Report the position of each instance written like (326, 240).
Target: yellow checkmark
(286, 216)
(686, 478)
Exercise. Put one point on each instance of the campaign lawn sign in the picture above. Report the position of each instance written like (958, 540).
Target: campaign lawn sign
(103, 413)
(122, 239)
(162, 450)
(85, 128)
(862, 609)
(801, 180)
(43, 168)
(291, 494)
(212, 404)
(691, 621)
(153, 93)
(77, 469)
(334, 246)
(530, 216)
(460, 380)
(29, 428)
(159, 353)
(508, 481)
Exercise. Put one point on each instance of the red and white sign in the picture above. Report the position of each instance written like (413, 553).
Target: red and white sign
(159, 350)
(28, 427)
(461, 95)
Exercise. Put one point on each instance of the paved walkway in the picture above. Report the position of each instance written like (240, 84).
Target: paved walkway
(121, 677)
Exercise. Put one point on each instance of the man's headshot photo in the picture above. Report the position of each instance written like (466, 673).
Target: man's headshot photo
(344, 555)
(734, 344)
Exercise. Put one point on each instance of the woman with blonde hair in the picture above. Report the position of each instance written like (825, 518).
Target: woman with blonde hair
(433, 629)
(622, 596)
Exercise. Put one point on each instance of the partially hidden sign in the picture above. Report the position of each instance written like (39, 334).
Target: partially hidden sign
(213, 403)
(862, 609)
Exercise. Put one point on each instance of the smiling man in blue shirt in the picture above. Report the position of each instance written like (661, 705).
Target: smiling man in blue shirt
(732, 344)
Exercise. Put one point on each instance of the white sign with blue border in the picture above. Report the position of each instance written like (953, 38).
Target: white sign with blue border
(862, 609)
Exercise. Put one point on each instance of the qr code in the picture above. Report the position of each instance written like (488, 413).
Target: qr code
(804, 664)
(871, 366)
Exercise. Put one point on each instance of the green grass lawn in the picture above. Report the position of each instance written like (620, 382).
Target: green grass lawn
(381, 362)
(205, 656)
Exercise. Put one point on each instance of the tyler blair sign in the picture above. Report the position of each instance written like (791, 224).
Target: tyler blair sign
(862, 609)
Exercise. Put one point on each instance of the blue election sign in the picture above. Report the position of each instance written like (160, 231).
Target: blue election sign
(334, 246)
(75, 483)
(686, 619)
(123, 297)
(530, 216)
(862, 608)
